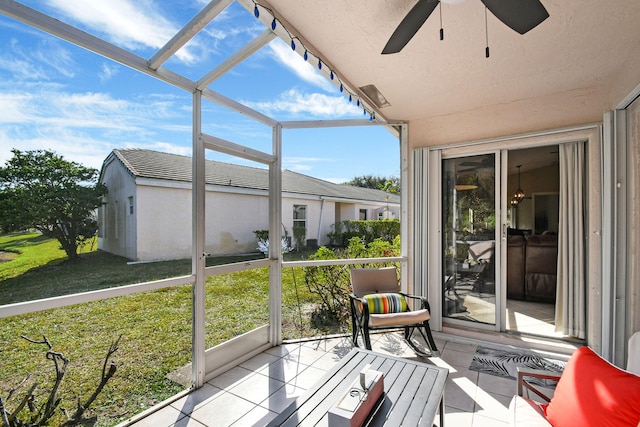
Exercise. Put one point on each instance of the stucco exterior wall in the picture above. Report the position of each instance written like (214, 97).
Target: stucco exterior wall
(159, 225)
(348, 212)
(231, 218)
(117, 226)
(317, 210)
(164, 223)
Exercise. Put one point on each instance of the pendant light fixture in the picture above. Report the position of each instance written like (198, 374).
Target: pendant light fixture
(519, 196)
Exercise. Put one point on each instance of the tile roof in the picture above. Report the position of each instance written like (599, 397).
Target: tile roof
(174, 167)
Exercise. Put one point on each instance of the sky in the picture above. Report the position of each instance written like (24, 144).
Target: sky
(57, 96)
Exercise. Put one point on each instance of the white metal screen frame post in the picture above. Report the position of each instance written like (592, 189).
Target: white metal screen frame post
(275, 235)
(198, 257)
(405, 207)
(614, 236)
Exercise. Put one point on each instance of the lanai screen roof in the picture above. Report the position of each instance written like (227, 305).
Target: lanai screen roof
(175, 48)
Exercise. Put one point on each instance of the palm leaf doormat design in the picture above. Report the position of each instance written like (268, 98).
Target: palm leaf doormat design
(504, 364)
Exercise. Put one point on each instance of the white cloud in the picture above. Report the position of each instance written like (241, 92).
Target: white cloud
(302, 164)
(166, 147)
(56, 57)
(131, 24)
(303, 69)
(337, 180)
(297, 103)
(108, 70)
(43, 61)
(85, 127)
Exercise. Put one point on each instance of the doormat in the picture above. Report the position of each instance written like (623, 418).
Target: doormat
(504, 364)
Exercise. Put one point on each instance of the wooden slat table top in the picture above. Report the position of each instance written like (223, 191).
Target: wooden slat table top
(413, 392)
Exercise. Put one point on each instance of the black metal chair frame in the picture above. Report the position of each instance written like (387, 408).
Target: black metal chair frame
(360, 324)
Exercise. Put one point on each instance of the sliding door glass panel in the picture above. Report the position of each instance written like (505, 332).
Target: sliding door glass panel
(468, 241)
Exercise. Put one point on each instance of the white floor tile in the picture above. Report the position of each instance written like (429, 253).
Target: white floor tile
(481, 421)
(283, 369)
(498, 385)
(256, 388)
(224, 410)
(254, 393)
(164, 417)
(454, 417)
(282, 398)
(231, 378)
(259, 361)
(196, 399)
(459, 359)
(492, 405)
(257, 417)
(308, 378)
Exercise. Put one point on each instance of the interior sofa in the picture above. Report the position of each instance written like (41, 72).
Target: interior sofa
(532, 267)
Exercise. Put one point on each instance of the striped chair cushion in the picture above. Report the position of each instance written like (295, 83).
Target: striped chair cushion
(386, 303)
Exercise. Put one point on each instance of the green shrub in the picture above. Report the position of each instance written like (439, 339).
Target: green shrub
(261, 235)
(299, 237)
(367, 230)
(332, 283)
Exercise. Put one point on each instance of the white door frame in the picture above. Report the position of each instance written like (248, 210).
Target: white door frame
(431, 237)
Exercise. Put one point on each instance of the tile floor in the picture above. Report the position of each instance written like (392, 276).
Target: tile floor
(254, 392)
(522, 316)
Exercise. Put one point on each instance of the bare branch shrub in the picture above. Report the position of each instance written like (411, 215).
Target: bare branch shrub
(28, 413)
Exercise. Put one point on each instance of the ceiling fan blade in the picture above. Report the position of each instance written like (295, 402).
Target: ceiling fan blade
(521, 16)
(410, 25)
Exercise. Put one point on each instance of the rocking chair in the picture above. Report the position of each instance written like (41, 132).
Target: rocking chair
(377, 304)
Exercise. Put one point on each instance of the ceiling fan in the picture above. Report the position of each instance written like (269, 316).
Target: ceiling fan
(520, 16)
(476, 166)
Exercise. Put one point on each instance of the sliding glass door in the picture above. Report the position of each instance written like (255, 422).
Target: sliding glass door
(470, 226)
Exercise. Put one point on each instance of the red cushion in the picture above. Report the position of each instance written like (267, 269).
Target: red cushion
(593, 392)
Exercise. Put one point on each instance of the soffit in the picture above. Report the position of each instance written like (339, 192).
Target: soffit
(583, 44)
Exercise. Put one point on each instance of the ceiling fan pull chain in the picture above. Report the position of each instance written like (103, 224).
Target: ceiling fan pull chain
(441, 29)
(486, 33)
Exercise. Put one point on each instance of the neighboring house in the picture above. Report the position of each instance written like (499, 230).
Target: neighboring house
(147, 212)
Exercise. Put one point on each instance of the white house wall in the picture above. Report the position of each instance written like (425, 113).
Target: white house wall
(164, 223)
(118, 233)
(347, 212)
(159, 227)
(231, 220)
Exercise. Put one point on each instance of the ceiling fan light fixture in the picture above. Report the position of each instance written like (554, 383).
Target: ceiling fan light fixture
(465, 187)
(453, 1)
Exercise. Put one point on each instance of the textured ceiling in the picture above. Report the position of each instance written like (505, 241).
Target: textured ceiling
(579, 50)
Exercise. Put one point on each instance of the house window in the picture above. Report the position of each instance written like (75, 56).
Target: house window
(300, 216)
(131, 205)
(363, 214)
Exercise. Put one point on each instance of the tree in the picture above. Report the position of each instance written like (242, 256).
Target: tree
(390, 185)
(41, 190)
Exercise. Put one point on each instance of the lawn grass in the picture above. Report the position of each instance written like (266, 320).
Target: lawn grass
(35, 251)
(155, 326)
